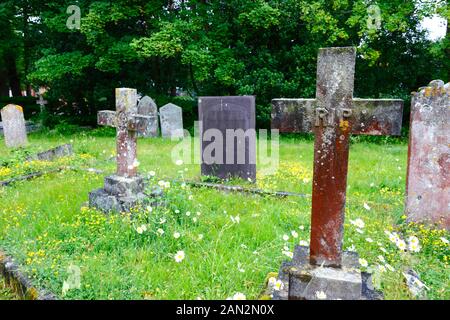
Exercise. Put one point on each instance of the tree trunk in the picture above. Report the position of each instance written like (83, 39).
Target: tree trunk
(13, 76)
(4, 88)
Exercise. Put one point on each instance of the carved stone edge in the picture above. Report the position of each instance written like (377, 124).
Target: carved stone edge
(19, 282)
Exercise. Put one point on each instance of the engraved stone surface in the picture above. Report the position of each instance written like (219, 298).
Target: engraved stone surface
(228, 137)
(333, 116)
(369, 116)
(171, 121)
(428, 181)
(147, 107)
(14, 126)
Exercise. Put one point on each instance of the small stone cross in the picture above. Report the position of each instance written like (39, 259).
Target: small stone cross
(127, 122)
(41, 102)
(333, 116)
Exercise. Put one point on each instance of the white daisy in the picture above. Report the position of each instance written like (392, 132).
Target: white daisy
(179, 256)
(321, 295)
(363, 262)
(239, 296)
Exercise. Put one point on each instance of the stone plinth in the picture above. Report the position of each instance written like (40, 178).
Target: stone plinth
(303, 281)
(119, 194)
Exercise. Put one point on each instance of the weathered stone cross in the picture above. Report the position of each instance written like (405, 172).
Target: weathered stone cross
(333, 116)
(41, 102)
(127, 122)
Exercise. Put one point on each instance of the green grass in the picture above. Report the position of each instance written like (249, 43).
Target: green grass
(44, 224)
(5, 292)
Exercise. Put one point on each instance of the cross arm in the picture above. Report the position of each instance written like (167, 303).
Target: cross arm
(368, 116)
(293, 115)
(133, 122)
(377, 117)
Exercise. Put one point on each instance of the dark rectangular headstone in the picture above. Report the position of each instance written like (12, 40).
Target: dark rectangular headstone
(228, 137)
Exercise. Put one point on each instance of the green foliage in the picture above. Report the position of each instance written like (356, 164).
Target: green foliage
(266, 48)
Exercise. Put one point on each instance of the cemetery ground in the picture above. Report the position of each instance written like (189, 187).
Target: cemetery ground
(203, 243)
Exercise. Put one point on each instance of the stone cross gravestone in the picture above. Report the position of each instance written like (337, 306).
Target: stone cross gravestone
(14, 128)
(428, 180)
(41, 102)
(333, 116)
(228, 137)
(125, 189)
(171, 121)
(147, 107)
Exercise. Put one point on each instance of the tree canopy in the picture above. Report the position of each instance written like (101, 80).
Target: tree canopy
(266, 48)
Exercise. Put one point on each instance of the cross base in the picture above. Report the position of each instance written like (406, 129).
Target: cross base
(303, 281)
(119, 194)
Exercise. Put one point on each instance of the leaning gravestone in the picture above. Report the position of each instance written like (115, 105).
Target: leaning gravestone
(65, 150)
(14, 126)
(147, 107)
(171, 121)
(428, 181)
(228, 137)
(333, 116)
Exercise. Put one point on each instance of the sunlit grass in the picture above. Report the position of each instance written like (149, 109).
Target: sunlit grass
(230, 246)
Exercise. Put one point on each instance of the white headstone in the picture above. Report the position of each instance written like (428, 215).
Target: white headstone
(171, 121)
(14, 128)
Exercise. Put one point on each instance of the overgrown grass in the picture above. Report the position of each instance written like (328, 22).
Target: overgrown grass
(45, 225)
(5, 292)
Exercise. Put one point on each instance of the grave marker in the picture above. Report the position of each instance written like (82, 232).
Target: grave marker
(333, 116)
(171, 121)
(14, 128)
(428, 180)
(125, 189)
(147, 107)
(41, 102)
(231, 121)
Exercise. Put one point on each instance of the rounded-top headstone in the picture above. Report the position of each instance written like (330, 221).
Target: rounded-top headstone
(14, 128)
(148, 107)
(171, 121)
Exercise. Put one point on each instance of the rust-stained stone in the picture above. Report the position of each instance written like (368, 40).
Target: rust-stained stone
(428, 181)
(333, 116)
